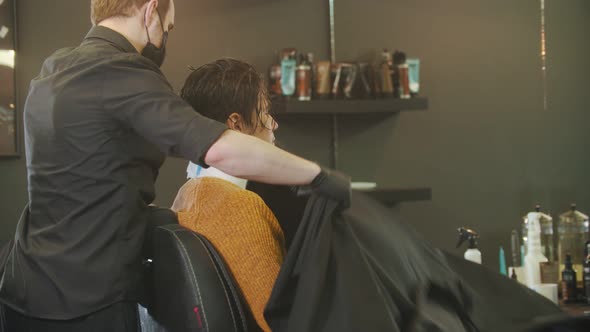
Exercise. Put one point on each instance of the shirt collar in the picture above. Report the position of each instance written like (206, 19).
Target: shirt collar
(111, 36)
(194, 171)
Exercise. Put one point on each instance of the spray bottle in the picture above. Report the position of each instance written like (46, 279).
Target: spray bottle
(472, 254)
(534, 255)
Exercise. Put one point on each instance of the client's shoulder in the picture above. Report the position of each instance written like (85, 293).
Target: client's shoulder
(220, 188)
(215, 185)
(218, 191)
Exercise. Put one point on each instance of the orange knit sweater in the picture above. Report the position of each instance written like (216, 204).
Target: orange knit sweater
(242, 229)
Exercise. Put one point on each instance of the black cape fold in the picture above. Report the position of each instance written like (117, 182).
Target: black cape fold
(361, 269)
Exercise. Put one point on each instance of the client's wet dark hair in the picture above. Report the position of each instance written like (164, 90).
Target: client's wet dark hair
(225, 86)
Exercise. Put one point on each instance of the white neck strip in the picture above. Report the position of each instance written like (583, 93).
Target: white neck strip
(194, 171)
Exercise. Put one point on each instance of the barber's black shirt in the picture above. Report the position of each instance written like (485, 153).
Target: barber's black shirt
(99, 120)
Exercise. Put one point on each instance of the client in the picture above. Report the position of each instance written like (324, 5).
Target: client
(236, 221)
(350, 267)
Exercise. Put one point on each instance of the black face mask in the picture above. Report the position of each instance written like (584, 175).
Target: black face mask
(150, 50)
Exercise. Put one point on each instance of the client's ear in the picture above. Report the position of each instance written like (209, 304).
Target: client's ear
(235, 122)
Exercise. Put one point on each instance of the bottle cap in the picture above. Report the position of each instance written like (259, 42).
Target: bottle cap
(568, 261)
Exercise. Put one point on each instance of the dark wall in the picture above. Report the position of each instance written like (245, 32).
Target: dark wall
(487, 147)
(42, 27)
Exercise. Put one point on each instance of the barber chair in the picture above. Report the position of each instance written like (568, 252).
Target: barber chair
(191, 287)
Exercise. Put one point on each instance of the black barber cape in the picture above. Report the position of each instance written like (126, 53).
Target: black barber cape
(363, 270)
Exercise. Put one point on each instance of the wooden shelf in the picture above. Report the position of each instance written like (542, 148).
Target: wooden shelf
(283, 107)
(575, 309)
(392, 196)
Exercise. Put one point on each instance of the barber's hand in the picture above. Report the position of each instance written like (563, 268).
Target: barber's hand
(330, 183)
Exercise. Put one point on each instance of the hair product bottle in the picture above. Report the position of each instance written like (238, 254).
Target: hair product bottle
(586, 275)
(568, 281)
(404, 81)
(515, 248)
(546, 224)
(288, 71)
(386, 74)
(502, 261)
(399, 59)
(275, 79)
(314, 72)
(304, 79)
(324, 71)
(534, 255)
(572, 234)
(513, 275)
(414, 75)
(336, 76)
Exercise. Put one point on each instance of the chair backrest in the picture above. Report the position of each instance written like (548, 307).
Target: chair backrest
(191, 287)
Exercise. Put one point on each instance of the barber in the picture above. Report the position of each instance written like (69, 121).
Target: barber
(99, 120)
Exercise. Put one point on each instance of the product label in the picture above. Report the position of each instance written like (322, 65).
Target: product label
(564, 290)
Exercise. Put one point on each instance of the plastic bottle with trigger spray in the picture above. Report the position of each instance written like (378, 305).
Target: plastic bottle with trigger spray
(472, 254)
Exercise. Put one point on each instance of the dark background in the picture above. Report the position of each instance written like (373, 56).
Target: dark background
(7, 97)
(487, 147)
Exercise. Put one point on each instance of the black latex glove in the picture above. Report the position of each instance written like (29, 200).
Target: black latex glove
(329, 183)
